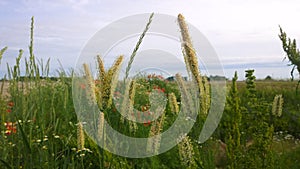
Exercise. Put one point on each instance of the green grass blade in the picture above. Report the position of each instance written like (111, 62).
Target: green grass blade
(138, 45)
(5, 163)
(1, 53)
(27, 145)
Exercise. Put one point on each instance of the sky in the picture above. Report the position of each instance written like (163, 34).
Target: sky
(244, 34)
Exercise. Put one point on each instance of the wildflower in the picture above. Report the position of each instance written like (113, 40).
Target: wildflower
(117, 95)
(11, 144)
(10, 104)
(101, 69)
(8, 110)
(8, 132)
(88, 150)
(82, 86)
(191, 62)
(277, 105)
(101, 126)
(10, 128)
(110, 82)
(153, 145)
(186, 152)
(97, 82)
(144, 108)
(80, 136)
(288, 137)
(90, 83)
(160, 77)
(173, 103)
(125, 105)
(146, 124)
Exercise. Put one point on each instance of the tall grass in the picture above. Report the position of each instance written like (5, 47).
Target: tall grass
(39, 127)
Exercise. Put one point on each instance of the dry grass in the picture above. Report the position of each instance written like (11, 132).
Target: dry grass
(5, 92)
(273, 85)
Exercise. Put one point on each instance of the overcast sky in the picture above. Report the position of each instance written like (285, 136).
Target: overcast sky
(243, 33)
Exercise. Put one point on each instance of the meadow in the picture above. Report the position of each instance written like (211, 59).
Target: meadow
(40, 128)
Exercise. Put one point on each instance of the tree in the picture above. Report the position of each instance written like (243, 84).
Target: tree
(268, 77)
(293, 54)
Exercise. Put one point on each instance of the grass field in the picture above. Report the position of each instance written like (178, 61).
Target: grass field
(41, 128)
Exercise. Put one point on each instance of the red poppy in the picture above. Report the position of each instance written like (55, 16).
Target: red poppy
(10, 104)
(8, 132)
(82, 86)
(160, 77)
(146, 124)
(10, 128)
(8, 110)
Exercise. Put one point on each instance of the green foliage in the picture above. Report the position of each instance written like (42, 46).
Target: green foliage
(38, 123)
(258, 130)
(293, 54)
(268, 77)
(232, 125)
(290, 159)
(290, 119)
(250, 81)
(252, 113)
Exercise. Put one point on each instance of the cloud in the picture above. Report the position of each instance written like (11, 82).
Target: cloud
(242, 32)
